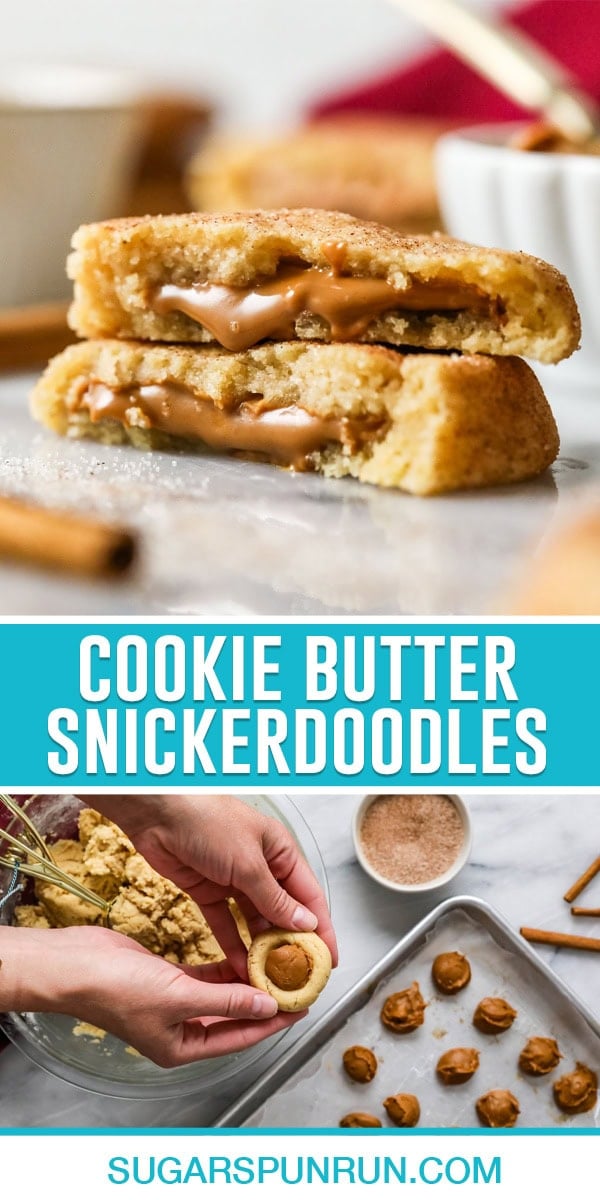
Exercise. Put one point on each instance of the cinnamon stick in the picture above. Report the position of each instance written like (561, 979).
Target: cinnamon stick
(63, 541)
(30, 336)
(585, 912)
(547, 937)
(582, 882)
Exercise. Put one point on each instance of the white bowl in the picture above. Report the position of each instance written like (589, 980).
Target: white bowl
(67, 146)
(545, 204)
(430, 885)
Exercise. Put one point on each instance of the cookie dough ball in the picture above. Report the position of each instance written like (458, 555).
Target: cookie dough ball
(539, 1056)
(360, 1063)
(578, 1091)
(291, 967)
(494, 1015)
(360, 1120)
(458, 1065)
(451, 972)
(404, 1109)
(404, 1011)
(498, 1109)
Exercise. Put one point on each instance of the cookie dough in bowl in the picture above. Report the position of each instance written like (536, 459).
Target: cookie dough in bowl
(291, 967)
(104, 1065)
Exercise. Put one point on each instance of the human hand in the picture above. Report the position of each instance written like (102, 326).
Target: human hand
(172, 1015)
(214, 847)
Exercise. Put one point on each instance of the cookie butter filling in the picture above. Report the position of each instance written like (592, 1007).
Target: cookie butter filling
(239, 317)
(288, 967)
(288, 435)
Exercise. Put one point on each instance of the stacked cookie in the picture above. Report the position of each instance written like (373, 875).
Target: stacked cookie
(315, 341)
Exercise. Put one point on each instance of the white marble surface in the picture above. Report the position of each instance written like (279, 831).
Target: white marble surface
(225, 537)
(527, 849)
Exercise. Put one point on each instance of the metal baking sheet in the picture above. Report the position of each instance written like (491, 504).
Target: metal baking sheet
(309, 1088)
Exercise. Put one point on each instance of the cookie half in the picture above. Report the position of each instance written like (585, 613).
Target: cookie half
(422, 422)
(239, 279)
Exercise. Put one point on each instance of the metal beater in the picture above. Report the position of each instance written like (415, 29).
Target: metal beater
(27, 853)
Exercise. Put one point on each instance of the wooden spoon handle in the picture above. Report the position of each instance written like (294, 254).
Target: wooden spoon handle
(513, 62)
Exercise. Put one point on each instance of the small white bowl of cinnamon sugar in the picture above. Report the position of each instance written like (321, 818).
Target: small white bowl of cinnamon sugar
(531, 189)
(412, 843)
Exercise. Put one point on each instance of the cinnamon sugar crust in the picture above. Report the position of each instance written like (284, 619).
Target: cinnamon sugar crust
(117, 266)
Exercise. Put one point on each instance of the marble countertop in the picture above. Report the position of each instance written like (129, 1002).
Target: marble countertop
(231, 538)
(527, 849)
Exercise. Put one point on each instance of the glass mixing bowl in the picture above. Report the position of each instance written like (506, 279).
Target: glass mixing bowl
(106, 1066)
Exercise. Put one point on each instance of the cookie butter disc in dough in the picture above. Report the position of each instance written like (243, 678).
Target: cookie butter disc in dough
(291, 967)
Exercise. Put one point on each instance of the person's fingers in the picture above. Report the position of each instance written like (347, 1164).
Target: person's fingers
(304, 886)
(294, 874)
(219, 972)
(228, 1037)
(221, 922)
(256, 924)
(236, 1001)
(273, 902)
(130, 946)
(285, 891)
(186, 998)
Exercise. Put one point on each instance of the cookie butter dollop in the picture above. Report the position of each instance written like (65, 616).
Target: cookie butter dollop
(577, 1092)
(450, 972)
(539, 1056)
(360, 1120)
(494, 1015)
(404, 1011)
(498, 1109)
(360, 1063)
(545, 138)
(288, 967)
(403, 1109)
(458, 1065)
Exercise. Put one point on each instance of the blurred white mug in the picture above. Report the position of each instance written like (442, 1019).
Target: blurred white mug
(67, 146)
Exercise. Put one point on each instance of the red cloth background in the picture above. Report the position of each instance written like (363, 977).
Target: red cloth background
(438, 85)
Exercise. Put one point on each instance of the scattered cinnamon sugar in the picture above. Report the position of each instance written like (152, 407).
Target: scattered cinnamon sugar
(412, 839)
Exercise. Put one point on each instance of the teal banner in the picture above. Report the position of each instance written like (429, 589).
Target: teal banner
(299, 704)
